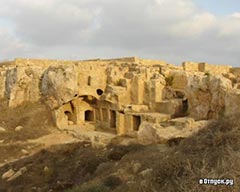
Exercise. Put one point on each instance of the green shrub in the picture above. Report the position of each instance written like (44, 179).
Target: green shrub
(207, 74)
(112, 181)
(92, 164)
(169, 80)
(117, 152)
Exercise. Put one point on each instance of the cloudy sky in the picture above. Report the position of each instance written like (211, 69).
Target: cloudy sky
(171, 30)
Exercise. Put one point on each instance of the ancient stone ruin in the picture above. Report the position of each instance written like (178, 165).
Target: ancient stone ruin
(147, 99)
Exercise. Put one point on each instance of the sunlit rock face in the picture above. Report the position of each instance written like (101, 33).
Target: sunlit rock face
(59, 85)
(146, 99)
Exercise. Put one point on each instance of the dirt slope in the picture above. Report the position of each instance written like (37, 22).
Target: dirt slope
(214, 152)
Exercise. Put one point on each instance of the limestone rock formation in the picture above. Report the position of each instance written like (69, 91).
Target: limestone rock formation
(59, 85)
(149, 133)
(22, 84)
(147, 99)
(206, 95)
(232, 102)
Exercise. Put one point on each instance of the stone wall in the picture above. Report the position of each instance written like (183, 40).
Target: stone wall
(40, 62)
(214, 69)
(190, 66)
(126, 59)
(205, 68)
(151, 62)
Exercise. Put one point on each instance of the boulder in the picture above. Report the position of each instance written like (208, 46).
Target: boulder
(59, 85)
(148, 133)
(182, 122)
(147, 173)
(206, 95)
(2, 130)
(8, 174)
(136, 167)
(19, 173)
(154, 133)
(19, 128)
(24, 151)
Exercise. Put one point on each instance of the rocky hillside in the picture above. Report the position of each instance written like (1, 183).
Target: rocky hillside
(126, 96)
(118, 125)
(176, 166)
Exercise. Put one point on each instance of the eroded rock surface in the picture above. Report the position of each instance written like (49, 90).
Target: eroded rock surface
(146, 99)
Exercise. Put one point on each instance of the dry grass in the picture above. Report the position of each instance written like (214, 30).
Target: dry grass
(56, 168)
(214, 152)
(117, 152)
(34, 117)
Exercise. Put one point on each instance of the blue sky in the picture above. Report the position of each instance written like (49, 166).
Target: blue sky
(219, 7)
(3, 22)
(170, 30)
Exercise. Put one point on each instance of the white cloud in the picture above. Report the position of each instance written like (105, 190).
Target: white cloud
(51, 22)
(174, 30)
(9, 44)
(236, 15)
(170, 9)
(230, 26)
(195, 25)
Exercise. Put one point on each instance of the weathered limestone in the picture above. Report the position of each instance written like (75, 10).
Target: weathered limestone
(232, 102)
(214, 69)
(235, 71)
(147, 99)
(206, 68)
(91, 77)
(22, 84)
(2, 84)
(206, 95)
(190, 66)
(59, 85)
(177, 128)
(179, 80)
(137, 90)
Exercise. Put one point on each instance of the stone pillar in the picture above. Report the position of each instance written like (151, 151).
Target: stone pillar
(128, 123)
(137, 90)
(121, 128)
(158, 91)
